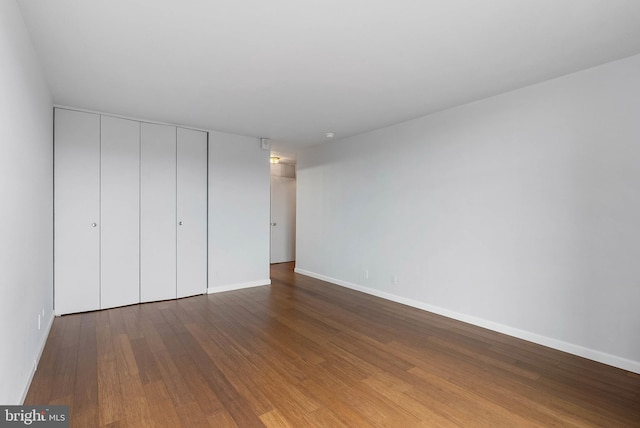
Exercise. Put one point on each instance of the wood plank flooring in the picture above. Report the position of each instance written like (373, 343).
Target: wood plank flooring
(305, 353)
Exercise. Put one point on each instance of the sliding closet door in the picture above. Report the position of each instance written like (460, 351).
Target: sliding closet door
(77, 211)
(120, 212)
(192, 212)
(158, 213)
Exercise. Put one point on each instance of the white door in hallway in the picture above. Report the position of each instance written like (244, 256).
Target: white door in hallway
(283, 219)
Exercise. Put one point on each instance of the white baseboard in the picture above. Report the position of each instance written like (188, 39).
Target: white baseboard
(36, 361)
(238, 286)
(592, 354)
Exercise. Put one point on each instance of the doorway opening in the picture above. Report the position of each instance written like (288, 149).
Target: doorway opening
(283, 209)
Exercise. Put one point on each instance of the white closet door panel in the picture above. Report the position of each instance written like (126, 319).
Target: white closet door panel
(157, 212)
(120, 212)
(77, 208)
(192, 212)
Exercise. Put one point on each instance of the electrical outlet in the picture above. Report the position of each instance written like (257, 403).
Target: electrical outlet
(394, 279)
(365, 273)
(39, 321)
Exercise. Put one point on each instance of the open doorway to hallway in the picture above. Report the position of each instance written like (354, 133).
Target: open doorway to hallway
(283, 209)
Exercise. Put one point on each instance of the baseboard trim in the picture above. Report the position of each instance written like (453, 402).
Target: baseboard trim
(592, 354)
(238, 286)
(36, 361)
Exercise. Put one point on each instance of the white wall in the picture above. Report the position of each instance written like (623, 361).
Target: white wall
(238, 212)
(519, 212)
(26, 206)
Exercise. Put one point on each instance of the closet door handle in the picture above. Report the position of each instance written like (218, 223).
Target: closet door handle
(180, 223)
(94, 224)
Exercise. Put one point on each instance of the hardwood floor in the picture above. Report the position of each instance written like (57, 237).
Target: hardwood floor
(303, 352)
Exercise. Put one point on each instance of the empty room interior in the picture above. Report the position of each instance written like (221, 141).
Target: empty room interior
(460, 244)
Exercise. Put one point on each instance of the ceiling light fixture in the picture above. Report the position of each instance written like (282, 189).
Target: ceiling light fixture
(329, 134)
(275, 159)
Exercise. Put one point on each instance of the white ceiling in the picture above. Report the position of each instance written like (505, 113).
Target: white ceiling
(292, 70)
